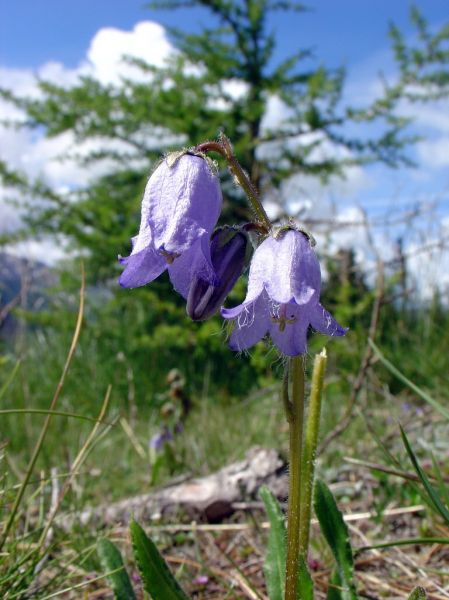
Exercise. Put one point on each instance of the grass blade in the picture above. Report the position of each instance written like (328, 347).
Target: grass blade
(424, 395)
(43, 432)
(336, 533)
(112, 562)
(157, 577)
(43, 411)
(404, 542)
(443, 486)
(9, 380)
(274, 567)
(431, 492)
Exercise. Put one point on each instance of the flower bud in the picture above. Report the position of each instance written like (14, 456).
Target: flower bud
(230, 250)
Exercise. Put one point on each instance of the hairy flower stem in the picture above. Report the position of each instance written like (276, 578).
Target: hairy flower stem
(309, 452)
(295, 416)
(224, 148)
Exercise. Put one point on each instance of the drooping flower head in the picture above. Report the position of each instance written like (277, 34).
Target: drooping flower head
(283, 296)
(180, 207)
(230, 250)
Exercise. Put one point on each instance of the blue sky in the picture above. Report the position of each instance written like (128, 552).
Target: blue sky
(62, 38)
(341, 31)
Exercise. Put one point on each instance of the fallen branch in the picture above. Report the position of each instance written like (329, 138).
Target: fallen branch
(210, 498)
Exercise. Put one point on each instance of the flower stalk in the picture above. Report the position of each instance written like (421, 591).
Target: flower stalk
(224, 148)
(309, 451)
(295, 416)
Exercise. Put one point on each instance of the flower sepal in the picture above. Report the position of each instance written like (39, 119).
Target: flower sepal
(292, 226)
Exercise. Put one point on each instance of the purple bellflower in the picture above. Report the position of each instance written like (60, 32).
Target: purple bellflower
(230, 250)
(283, 296)
(158, 440)
(180, 207)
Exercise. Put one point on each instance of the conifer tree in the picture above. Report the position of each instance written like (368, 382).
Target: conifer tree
(221, 78)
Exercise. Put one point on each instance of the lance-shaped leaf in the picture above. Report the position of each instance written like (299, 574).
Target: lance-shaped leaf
(336, 533)
(305, 582)
(419, 593)
(112, 562)
(433, 496)
(274, 567)
(157, 577)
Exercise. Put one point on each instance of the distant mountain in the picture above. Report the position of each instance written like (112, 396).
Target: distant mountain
(22, 283)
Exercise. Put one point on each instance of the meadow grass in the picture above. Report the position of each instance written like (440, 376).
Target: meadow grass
(117, 461)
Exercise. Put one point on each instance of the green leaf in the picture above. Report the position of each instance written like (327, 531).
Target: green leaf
(432, 493)
(157, 577)
(443, 487)
(424, 395)
(305, 582)
(335, 587)
(419, 593)
(274, 567)
(335, 531)
(405, 542)
(111, 560)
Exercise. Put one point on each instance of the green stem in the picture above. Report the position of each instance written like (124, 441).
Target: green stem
(224, 148)
(309, 452)
(285, 394)
(296, 419)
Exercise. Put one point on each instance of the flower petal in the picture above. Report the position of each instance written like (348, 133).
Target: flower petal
(141, 268)
(296, 270)
(251, 324)
(184, 202)
(194, 262)
(324, 322)
(261, 269)
(292, 338)
(228, 251)
(233, 313)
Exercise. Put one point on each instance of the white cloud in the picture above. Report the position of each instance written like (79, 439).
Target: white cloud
(29, 151)
(42, 250)
(147, 41)
(276, 113)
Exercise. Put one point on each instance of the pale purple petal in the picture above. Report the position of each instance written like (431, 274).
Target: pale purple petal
(296, 271)
(196, 261)
(261, 268)
(229, 250)
(184, 203)
(141, 268)
(291, 338)
(259, 273)
(251, 324)
(158, 440)
(283, 296)
(180, 207)
(233, 313)
(324, 322)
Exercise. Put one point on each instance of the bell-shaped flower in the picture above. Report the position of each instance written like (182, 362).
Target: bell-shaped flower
(180, 207)
(230, 250)
(283, 296)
